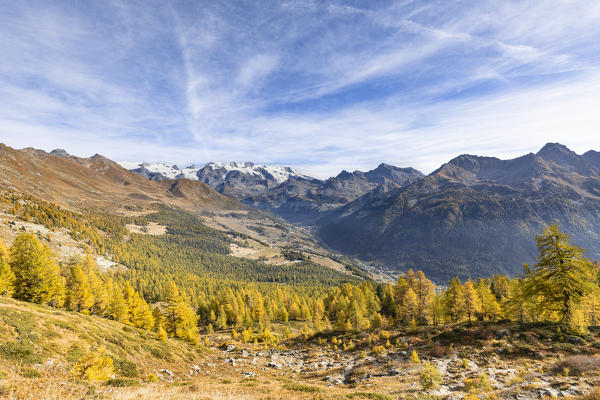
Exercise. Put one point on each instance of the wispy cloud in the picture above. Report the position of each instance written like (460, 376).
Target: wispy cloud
(319, 86)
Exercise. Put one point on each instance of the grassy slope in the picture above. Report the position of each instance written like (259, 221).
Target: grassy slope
(40, 338)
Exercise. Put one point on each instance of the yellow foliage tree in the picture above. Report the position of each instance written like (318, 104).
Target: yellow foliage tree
(37, 276)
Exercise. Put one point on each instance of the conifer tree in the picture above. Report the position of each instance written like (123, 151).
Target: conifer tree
(561, 276)
(472, 303)
(37, 276)
(180, 318)
(97, 286)
(79, 294)
(454, 300)
(7, 277)
(410, 306)
(221, 318)
(118, 309)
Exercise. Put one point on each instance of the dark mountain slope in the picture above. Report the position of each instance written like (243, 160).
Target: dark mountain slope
(474, 216)
(306, 200)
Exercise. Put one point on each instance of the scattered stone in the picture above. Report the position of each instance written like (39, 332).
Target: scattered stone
(503, 333)
(195, 369)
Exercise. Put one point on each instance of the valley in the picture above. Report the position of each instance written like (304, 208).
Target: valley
(186, 293)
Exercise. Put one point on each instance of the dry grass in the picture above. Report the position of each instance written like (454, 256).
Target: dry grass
(152, 228)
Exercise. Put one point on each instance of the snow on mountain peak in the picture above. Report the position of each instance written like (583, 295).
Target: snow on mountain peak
(277, 173)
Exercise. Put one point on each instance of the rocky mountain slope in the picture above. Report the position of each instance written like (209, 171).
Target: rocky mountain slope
(306, 200)
(283, 190)
(97, 183)
(474, 216)
(236, 179)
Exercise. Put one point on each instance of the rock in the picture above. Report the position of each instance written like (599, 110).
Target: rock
(230, 347)
(548, 392)
(575, 340)
(162, 372)
(274, 364)
(503, 333)
(245, 353)
(195, 369)
(335, 379)
(249, 374)
(230, 361)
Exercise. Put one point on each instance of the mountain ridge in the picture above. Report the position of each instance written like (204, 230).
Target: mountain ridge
(473, 212)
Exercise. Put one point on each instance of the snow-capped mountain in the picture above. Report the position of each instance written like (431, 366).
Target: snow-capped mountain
(239, 179)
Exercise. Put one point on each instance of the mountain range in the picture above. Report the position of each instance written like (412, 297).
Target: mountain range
(474, 216)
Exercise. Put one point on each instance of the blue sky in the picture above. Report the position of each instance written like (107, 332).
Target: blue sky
(321, 86)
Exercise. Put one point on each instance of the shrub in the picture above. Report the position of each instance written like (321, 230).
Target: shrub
(75, 352)
(367, 395)
(126, 368)
(378, 349)
(94, 366)
(30, 373)
(430, 377)
(21, 351)
(414, 357)
(302, 388)
(477, 385)
(121, 382)
(577, 365)
(152, 378)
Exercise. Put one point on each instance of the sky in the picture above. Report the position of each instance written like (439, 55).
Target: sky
(317, 85)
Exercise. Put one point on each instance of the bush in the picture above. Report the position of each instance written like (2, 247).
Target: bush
(152, 378)
(430, 377)
(125, 368)
(577, 365)
(478, 385)
(121, 382)
(378, 349)
(414, 357)
(94, 366)
(30, 373)
(368, 395)
(302, 388)
(23, 352)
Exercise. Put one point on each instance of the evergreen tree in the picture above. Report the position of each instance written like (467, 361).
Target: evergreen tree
(7, 277)
(410, 306)
(561, 276)
(454, 300)
(472, 303)
(37, 276)
(180, 319)
(79, 294)
(118, 309)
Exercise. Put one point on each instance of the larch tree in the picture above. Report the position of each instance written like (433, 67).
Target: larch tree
(561, 276)
(7, 277)
(472, 303)
(37, 276)
(79, 293)
(180, 319)
(454, 300)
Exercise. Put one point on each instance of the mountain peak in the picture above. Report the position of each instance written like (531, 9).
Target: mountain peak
(59, 153)
(555, 152)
